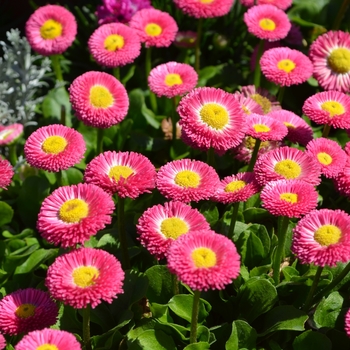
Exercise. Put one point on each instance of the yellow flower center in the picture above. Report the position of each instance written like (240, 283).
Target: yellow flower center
(173, 227)
(172, 79)
(114, 42)
(100, 97)
(234, 186)
(153, 29)
(250, 143)
(327, 235)
(246, 110)
(289, 197)
(51, 29)
(73, 210)
(287, 168)
(267, 24)
(324, 158)
(206, 1)
(261, 128)
(264, 102)
(289, 125)
(214, 115)
(339, 60)
(25, 310)
(203, 257)
(119, 171)
(5, 133)
(54, 144)
(286, 65)
(47, 347)
(187, 178)
(85, 276)
(333, 108)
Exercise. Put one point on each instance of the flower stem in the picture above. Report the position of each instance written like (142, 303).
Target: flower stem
(148, 65)
(308, 301)
(254, 155)
(211, 157)
(282, 235)
(86, 327)
(257, 72)
(99, 141)
(198, 45)
(233, 220)
(194, 320)
(122, 234)
(174, 118)
(326, 130)
(58, 178)
(55, 61)
(116, 72)
(13, 153)
(280, 95)
(340, 15)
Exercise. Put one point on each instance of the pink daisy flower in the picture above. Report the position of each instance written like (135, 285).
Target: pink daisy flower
(54, 147)
(267, 22)
(281, 4)
(322, 238)
(330, 54)
(51, 29)
(6, 173)
(267, 45)
(26, 310)
(329, 107)
(204, 260)
(265, 128)
(299, 131)
(10, 133)
(2, 342)
(291, 198)
(159, 226)
(342, 180)
(186, 39)
(187, 180)
(154, 27)
(128, 174)
(286, 163)
(48, 339)
(248, 104)
(85, 276)
(172, 79)
(99, 99)
(236, 188)
(329, 155)
(347, 323)
(211, 117)
(114, 45)
(205, 8)
(285, 67)
(71, 214)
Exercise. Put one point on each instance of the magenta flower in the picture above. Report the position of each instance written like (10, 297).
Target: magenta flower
(6, 173)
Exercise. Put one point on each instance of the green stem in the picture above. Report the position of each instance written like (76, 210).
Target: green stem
(308, 301)
(116, 72)
(198, 46)
(86, 327)
(211, 157)
(282, 235)
(326, 130)
(59, 178)
(254, 155)
(233, 220)
(122, 234)
(148, 65)
(194, 320)
(174, 119)
(13, 153)
(280, 95)
(257, 72)
(340, 14)
(99, 141)
(55, 61)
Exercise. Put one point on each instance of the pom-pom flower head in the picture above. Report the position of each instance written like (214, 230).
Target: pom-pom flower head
(128, 174)
(267, 22)
(330, 54)
(54, 148)
(48, 339)
(159, 226)
(6, 173)
(347, 323)
(172, 79)
(154, 27)
(211, 117)
(281, 4)
(114, 45)
(285, 67)
(26, 310)
(99, 99)
(204, 260)
(71, 214)
(248, 104)
(205, 8)
(187, 180)
(51, 29)
(2, 342)
(85, 276)
(10, 133)
(329, 107)
(322, 238)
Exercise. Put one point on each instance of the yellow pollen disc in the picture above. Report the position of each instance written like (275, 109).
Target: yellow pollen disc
(5, 133)
(234, 186)
(173, 227)
(47, 347)
(287, 168)
(289, 197)
(264, 102)
(267, 24)
(339, 60)
(261, 128)
(214, 115)
(324, 158)
(246, 110)
(327, 235)
(333, 108)
(119, 171)
(286, 65)
(206, 1)
(203, 257)
(85, 276)
(187, 178)
(73, 211)
(173, 79)
(54, 144)
(25, 310)
(153, 29)
(51, 29)
(100, 97)
(289, 125)
(114, 42)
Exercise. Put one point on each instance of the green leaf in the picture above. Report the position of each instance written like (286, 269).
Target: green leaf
(198, 346)
(207, 73)
(71, 176)
(160, 288)
(242, 336)
(328, 310)
(6, 213)
(256, 215)
(35, 259)
(128, 75)
(150, 117)
(210, 212)
(154, 339)
(312, 340)
(289, 272)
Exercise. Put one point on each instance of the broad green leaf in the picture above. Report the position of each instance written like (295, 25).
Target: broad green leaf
(207, 73)
(35, 259)
(154, 339)
(150, 117)
(256, 215)
(198, 346)
(289, 272)
(210, 212)
(6, 213)
(242, 336)
(328, 310)
(26, 232)
(312, 340)
(71, 176)
(128, 75)
(160, 288)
